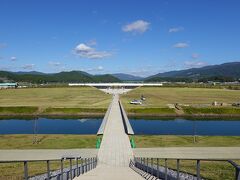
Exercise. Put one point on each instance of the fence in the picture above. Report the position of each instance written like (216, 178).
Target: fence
(152, 167)
(82, 165)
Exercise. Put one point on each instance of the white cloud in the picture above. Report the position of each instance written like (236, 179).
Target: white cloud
(194, 64)
(86, 51)
(175, 29)
(181, 45)
(28, 66)
(13, 58)
(138, 26)
(99, 68)
(195, 56)
(52, 63)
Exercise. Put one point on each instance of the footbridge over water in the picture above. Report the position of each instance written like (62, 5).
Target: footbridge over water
(115, 153)
(117, 159)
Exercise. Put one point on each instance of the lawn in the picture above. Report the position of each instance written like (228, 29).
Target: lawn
(42, 101)
(55, 97)
(23, 141)
(146, 141)
(209, 170)
(162, 96)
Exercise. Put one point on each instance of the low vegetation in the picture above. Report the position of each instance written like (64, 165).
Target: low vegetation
(146, 141)
(213, 110)
(162, 96)
(79, 97)
(23, 141)
(34, 168)
(209, 170)
(152, 111)
(63, 100)
(18, 110)
(196, 100)
(73, 111)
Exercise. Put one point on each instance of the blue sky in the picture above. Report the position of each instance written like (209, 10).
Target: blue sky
(138, 37)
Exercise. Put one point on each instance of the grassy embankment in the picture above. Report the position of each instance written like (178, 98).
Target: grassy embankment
(210, 170)
(199, 101)
(54, 101)
(45, 142)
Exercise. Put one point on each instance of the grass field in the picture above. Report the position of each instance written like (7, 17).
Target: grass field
(55, 97)
(209, 170)
(65, 100)
(146, 141)
(160, 100)
(23, 141)
(161, 96)
(213, 110)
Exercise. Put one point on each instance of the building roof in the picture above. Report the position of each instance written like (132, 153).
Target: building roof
(8, 84)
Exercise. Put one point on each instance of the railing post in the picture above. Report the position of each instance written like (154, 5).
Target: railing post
(90, 164)
(48, 170)
(71, 177)
(198, 170)
(85, 170)
(152, 166)
(178, 164)
(87, 164)
(158, 168)
(91, 161)
(237, 173)
(82, 168)
(166, 170)
(77, 166)
(25, 170)
(147, 165)
(95, 162)
(62, 169)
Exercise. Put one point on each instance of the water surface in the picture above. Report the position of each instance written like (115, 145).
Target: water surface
(186, 127)
(226, 127)
(50, 126)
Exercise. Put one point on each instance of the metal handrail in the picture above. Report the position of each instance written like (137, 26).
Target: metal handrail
(127, 125)
(146, 164)
(104, 121)
(84, 166)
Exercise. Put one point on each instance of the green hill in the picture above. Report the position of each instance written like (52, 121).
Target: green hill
(223, 72)
(62, 77)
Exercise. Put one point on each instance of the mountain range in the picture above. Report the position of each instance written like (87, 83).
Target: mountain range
(222, 72)
(127, 77)
(61, 77)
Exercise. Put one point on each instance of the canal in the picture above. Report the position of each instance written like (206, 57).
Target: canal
(225, 127)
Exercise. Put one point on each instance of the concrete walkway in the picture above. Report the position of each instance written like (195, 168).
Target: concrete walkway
(44, 154)
(115, 151)
(190, 152)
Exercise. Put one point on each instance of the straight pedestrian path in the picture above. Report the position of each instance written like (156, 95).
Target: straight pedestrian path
(115, 151)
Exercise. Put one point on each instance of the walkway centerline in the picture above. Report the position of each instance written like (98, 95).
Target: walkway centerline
(115, 149)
